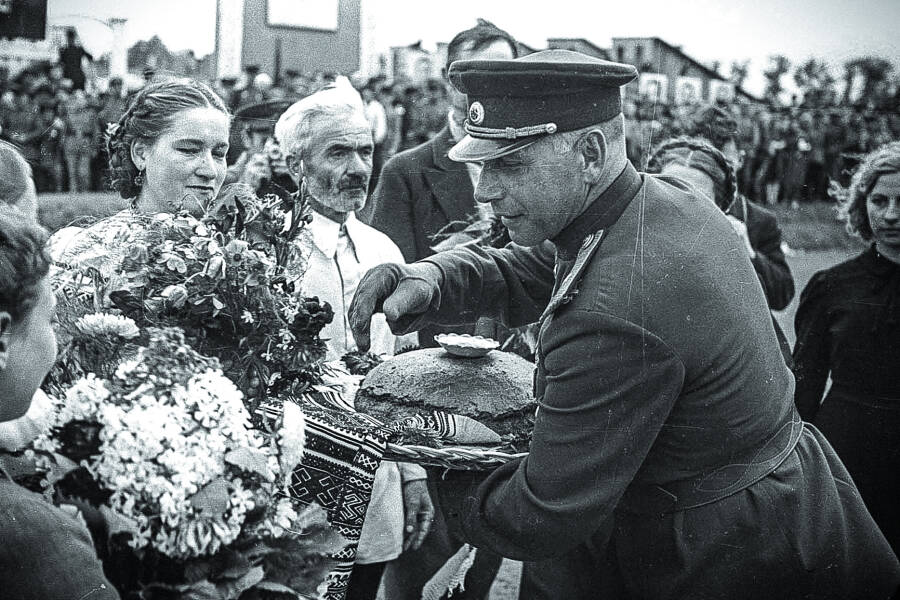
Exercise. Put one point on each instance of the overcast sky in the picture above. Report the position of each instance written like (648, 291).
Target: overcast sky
(708, 30)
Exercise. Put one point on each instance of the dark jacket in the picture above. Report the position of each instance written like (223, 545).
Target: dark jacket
(420, 193)
(666, 435)
(769, 262)
(46, 553)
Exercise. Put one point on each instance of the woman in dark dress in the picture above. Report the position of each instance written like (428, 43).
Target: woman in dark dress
(848, 327)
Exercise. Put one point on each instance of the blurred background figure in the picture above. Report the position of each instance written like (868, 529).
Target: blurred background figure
(71, 57)
(80, 139)
(376, 114)
(258, 159)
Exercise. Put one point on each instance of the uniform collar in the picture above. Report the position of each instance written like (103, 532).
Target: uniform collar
(605, 210)
(325, 232)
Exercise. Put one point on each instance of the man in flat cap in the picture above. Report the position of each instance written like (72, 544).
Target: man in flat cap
(667, 458)
(261, 164)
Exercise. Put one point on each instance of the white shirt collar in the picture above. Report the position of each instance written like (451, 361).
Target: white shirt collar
(457, 132)
(325, 232)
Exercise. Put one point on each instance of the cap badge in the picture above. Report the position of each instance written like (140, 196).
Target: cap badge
(476, 113)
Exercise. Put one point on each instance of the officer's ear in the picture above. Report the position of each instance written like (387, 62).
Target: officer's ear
(594, 152)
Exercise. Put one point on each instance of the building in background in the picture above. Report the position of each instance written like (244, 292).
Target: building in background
(654, 56)
(23, 35)
(578, 45)
(306, 36)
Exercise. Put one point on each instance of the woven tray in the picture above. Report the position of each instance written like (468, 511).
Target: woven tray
(458, 458)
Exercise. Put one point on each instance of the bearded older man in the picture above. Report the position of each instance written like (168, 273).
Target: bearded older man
(667, 458)
(328, 145)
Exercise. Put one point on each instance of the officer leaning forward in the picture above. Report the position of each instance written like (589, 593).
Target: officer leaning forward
(667, 460)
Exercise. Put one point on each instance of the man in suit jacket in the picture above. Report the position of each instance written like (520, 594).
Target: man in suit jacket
(422, 194)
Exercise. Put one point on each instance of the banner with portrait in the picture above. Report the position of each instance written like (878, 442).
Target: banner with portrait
(688, 90)
(654, 87)
(721, 91)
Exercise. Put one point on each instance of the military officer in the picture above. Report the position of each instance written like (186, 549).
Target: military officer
(667, 459)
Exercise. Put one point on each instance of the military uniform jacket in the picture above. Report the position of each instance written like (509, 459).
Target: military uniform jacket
(666, 445)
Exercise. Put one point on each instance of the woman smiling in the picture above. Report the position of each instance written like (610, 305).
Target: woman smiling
(166, 154)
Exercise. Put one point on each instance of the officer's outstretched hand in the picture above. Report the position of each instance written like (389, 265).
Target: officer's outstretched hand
(404, 293)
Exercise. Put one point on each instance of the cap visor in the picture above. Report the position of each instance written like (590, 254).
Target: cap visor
(471, 149)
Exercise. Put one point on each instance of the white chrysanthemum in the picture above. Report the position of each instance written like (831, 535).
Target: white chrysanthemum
(83, 400)
(164, 437)
(98, 324)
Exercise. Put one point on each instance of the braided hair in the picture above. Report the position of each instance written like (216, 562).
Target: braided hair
(697, 153)
(149, 115)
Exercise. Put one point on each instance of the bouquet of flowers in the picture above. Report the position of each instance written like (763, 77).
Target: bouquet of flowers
(192, 493)
(197, 413)
(229, 280)
(203, 462)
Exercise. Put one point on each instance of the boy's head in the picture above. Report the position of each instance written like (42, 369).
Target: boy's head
(27, 308)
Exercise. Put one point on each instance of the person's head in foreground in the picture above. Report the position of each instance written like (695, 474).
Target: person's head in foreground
(871, 204)
(27, 308)
(549, 132)
(16, 185)
(167, 152)
(327, 143)
(697, 162)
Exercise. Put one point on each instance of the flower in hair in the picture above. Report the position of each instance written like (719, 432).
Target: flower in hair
(112, 129)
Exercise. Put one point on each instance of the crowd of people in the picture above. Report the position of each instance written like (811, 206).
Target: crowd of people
(789, 154)
(670, 455)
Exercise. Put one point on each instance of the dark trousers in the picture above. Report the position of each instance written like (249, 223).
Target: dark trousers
(364, 581)
(405, 577)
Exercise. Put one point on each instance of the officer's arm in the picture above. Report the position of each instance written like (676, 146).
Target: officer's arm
(610, 386)
(512, 285)
(390, 210)
(771, 265)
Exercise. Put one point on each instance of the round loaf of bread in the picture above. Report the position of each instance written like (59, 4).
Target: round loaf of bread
(495, 390)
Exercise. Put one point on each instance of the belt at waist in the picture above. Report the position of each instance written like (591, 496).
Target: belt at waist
(717, 484)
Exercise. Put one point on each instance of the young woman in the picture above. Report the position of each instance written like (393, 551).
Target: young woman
(848, 327)
(45, 553)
